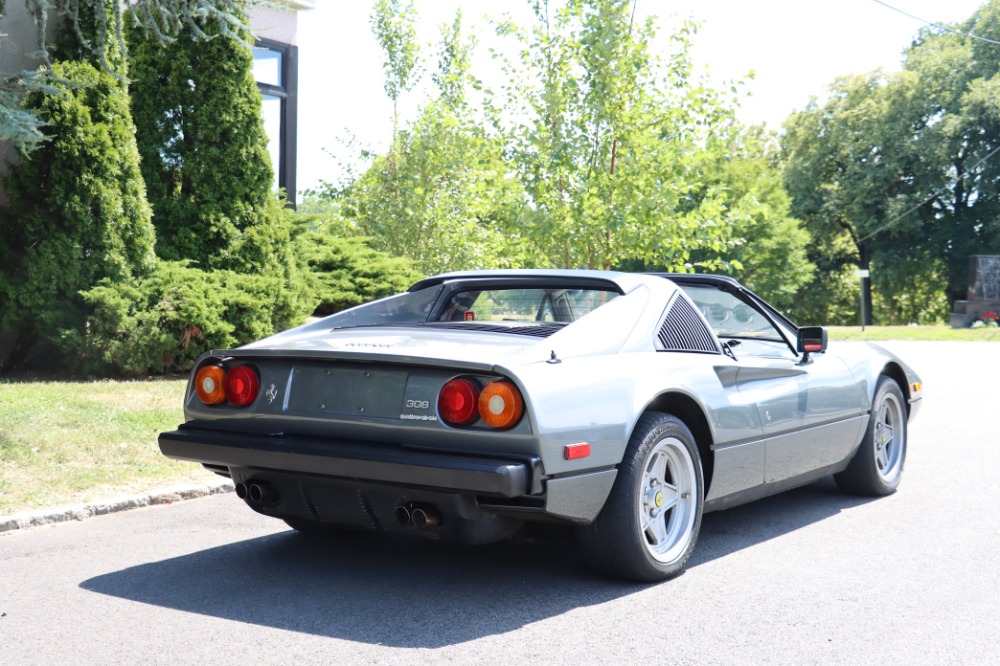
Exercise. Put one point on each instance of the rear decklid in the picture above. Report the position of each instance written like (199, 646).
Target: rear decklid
(460, 345)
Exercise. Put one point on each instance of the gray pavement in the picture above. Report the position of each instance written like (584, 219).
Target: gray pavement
(808, 577)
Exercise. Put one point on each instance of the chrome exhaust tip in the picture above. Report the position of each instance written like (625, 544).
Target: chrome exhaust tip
(425, 516)
(261, 492)
(403, 515)
(241, 491)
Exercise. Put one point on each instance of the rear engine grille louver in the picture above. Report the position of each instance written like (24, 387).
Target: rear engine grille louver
(684, 330)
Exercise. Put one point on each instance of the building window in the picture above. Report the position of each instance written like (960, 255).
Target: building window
(275, 68)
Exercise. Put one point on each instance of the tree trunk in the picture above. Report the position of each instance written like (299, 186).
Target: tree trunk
(24, 340)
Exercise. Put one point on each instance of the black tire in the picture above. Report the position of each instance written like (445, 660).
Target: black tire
(877, 466)
(648, 528)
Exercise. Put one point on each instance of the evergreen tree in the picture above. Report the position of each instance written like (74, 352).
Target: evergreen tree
(78, 211)
(204, 151)
(160, 19)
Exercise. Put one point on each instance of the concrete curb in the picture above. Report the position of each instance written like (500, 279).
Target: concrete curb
(42, 517)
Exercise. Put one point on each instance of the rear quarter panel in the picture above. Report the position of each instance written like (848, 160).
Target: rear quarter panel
(599, 399)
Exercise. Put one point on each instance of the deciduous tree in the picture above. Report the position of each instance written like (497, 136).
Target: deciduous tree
(445, 195)
(900, 173)
(395, 29)
(603, 133)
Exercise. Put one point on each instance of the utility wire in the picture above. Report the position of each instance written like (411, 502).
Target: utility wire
(937, 25)
(925, 201)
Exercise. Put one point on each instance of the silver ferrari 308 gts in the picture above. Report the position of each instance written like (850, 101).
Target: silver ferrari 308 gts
(621, 405)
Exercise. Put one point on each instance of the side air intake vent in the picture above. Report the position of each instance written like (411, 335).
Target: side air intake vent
(684, 330)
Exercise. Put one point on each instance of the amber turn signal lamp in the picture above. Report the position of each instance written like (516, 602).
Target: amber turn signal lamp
(500, 404)
(209, 383)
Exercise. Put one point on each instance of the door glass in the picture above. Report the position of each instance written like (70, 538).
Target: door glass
(732, 319)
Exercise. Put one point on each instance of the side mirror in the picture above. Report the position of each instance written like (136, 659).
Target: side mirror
(811, 340)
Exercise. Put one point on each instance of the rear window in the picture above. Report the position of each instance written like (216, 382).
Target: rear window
(523, 305)
(506, 306)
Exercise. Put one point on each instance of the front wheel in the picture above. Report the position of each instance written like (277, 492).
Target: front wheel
(648, 528)
(877, 466)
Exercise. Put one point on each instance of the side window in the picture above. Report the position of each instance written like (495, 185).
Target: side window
(745, 328)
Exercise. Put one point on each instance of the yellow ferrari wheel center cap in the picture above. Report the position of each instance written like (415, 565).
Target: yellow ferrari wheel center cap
(658, 499)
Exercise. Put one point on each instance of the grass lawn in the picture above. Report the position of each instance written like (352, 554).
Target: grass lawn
(942, 332)
(69, 442)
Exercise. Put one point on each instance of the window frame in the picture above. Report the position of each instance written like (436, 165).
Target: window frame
(288, 94)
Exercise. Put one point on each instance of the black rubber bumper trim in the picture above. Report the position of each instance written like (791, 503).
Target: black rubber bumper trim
(355, 460)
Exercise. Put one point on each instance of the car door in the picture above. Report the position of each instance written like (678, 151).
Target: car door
(809, 409)
(810, 412)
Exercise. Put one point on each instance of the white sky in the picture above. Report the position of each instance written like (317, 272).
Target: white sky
(796, 48)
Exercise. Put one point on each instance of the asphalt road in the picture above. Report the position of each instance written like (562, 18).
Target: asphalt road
(811, 576)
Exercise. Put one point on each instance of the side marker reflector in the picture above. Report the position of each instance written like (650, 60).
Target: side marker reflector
(576, 451)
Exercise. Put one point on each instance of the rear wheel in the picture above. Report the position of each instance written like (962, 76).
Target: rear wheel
(877, 466)
(649, 525)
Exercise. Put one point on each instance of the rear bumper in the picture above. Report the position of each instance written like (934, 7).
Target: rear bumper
(364, 461)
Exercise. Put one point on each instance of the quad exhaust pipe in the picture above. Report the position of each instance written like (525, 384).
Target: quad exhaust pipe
(261, 492)
(425, 516)
(420, 516)
(413, 514)
(256, 492)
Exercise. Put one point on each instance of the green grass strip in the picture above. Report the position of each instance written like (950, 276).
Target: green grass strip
(70, 442)
(932, 333)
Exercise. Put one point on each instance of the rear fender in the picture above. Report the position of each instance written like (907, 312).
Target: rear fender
(690, 411)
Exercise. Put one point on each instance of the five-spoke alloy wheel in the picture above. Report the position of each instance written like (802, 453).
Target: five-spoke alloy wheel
(878, 465)
(649, 525)
(665, 509)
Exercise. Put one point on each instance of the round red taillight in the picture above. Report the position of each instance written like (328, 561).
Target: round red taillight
(241, 386)
(209, 384)
(500, 404)
(458, 402)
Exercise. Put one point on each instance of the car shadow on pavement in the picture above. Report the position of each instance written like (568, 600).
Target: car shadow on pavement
(404, 592)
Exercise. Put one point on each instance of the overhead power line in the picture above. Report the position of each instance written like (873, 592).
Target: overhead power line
(925, 201)
(938, 25)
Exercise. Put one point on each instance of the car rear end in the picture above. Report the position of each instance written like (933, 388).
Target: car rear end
(350, 441)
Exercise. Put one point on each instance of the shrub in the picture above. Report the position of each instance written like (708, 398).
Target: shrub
(165, 321)
(344, 272)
